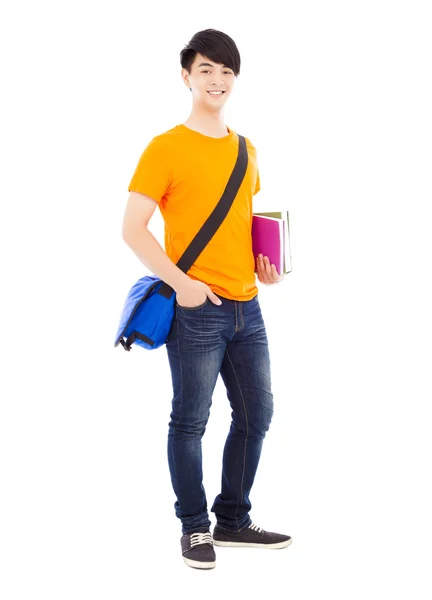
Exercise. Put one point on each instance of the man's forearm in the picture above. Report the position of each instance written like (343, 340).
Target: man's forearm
(154, 257)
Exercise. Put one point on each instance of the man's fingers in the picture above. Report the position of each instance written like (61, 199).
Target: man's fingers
(215, 299)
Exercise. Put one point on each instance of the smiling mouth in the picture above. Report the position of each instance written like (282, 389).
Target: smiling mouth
(215, 94)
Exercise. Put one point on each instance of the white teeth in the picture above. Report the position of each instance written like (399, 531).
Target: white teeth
(215, 93)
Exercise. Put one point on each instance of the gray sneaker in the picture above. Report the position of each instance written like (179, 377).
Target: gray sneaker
(252, 536)
(197, 549)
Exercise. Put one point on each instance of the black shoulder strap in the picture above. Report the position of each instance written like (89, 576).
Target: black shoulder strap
(215, 219)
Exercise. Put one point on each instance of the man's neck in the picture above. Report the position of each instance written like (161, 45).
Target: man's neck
(211, 124)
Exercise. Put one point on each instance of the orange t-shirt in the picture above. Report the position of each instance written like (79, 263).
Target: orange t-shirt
(186, 173)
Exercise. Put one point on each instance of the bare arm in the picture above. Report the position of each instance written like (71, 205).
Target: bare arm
(138, 212)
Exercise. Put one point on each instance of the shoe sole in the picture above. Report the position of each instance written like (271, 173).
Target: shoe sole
(199, 565)
(250, 545)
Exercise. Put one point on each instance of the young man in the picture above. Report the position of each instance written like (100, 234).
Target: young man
(218, 327)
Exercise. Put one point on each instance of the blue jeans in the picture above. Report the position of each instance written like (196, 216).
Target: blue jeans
(204, 341)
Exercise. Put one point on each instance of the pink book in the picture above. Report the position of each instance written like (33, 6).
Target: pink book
(270, 237)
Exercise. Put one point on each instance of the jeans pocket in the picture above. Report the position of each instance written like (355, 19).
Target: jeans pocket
(192, 307)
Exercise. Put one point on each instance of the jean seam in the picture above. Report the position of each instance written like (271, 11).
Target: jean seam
(181, 366)
(246, 438)
(238, 309)
(181, 382)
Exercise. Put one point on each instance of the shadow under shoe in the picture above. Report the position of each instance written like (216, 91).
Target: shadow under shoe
(252, 536)
(197, 549)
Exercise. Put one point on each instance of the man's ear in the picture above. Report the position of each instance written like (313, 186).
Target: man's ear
(185, 77)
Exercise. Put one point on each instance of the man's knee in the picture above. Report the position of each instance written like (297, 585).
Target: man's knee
(255, 421)
(191, 426)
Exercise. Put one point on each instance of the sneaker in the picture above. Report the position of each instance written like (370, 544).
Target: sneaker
(197, 549)
(252, 536)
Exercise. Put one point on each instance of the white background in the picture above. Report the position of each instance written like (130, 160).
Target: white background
(336, 96)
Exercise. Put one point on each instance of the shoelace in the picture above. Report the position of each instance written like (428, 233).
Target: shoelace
(255, 527)
(201, 538)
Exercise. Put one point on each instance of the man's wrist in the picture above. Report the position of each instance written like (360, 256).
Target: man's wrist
(181, 282)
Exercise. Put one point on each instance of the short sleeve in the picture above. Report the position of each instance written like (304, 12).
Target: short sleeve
(257, 184)
(152, 175)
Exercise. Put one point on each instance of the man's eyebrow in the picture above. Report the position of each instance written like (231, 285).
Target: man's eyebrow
(209, 65)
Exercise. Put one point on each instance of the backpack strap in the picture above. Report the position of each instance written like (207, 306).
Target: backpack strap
(216, 218)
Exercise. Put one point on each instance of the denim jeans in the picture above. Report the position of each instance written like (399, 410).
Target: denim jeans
(204, 341)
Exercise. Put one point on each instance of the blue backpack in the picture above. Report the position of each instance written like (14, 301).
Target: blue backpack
(148, 312)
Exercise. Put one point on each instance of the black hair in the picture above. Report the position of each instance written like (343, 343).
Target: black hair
(216, 46)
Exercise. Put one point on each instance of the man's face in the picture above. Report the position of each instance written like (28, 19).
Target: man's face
(207, 75)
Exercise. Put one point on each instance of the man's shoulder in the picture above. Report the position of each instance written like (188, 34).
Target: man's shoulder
(250, 146)
(168, 136)
(166, 143)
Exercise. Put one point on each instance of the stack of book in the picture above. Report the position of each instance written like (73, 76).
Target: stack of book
(271, 237)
